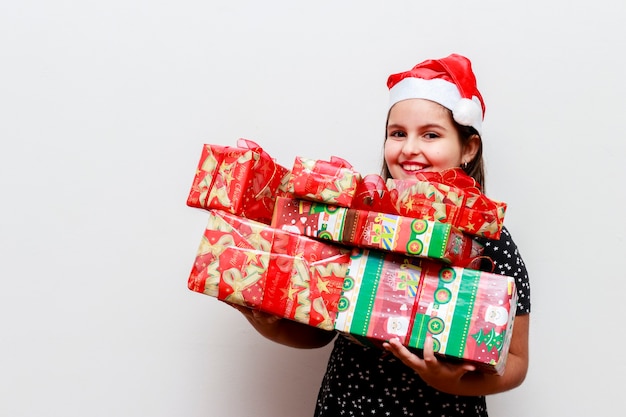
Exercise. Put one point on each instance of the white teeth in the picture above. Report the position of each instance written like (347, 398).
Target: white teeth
(412, 168)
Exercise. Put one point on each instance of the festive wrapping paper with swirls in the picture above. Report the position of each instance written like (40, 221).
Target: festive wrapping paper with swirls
(332, 182)
(245, 180)
(469, 313)
(375, 230)
(450, 196)
(248, 263)
(378, 296)
(242, 180)
(370, 295)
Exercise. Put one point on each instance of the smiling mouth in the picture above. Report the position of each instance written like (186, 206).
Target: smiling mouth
(412, 167)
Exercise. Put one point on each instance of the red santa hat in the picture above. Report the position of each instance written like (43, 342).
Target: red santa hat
(448, 81)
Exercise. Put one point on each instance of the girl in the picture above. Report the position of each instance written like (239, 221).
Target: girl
(434, 123)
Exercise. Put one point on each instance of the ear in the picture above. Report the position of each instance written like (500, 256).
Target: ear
(470, 149)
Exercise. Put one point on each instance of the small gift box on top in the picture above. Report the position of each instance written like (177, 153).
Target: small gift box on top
(242, 180)
(450, 196)
(332, 182)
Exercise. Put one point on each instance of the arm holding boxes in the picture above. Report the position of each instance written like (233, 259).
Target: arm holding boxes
(286, 332)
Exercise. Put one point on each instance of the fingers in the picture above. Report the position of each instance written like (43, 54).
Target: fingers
(410, 359)
(264, 318)
(429, 353)
(406, 356)
(255, 315)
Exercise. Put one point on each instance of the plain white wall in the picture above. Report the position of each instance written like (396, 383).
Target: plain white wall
(104, 107)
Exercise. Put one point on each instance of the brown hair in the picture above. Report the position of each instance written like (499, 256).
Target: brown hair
(475, 168)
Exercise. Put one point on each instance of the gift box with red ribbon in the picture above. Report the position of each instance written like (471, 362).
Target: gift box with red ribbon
(469, 313)
(248, 263)
(375, 230)
(332, 182)
(450, 196)
(242, 180)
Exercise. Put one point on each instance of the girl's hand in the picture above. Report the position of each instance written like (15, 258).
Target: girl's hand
(257, 318)
(440, 375)
(284, 331)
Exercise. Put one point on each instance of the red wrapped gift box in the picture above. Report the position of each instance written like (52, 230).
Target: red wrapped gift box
(378, 297)
(245, 262)
(242, 180)
(374, 230)
(469, 313)
(450, 196)
(331, 182)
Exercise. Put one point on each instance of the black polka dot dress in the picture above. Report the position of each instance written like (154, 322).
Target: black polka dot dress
(365, 381)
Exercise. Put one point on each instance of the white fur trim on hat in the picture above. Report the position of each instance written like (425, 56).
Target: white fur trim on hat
(466, 112)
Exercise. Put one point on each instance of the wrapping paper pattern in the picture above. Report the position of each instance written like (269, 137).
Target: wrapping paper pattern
(332, 182)
(298, 268)
(245, 262)
(367, 229)
(245, 180)
(378, 296)
(451, 197)
(469, 313)
(242, 180)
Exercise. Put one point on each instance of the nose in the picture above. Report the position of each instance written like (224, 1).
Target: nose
(411, 146)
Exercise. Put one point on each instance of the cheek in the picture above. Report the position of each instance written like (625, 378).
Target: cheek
(391, 150)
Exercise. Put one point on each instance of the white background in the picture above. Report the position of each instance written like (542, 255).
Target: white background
(104, 107)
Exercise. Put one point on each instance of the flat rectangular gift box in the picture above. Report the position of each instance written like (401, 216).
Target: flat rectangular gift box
(469, 313)
(373, 230)
(248, 263)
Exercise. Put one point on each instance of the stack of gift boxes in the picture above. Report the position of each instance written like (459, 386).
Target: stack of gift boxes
(322, 245)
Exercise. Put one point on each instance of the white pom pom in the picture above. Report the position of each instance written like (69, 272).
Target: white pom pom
(467, 112)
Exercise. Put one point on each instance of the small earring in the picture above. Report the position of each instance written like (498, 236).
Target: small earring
(464, 165)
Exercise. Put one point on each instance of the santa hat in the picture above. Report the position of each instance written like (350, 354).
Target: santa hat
(448, 81)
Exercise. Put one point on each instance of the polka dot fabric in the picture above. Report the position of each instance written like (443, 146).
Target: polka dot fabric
(362, 381)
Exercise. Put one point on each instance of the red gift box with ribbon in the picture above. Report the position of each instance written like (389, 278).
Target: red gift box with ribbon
(331, 182)
(245, 262)
(242, 180)
(375, 230)
(449, 196)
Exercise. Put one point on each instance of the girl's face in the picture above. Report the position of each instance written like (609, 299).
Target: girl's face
(421, 136)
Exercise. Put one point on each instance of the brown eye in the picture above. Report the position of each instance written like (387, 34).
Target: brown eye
(397, 134)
